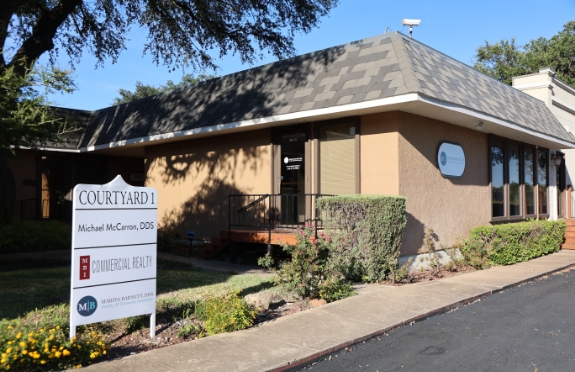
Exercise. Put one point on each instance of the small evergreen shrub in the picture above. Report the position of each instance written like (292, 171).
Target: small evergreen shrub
(29, 236)
(225, 314)
(310, 273)
(510, 243)
(38, 349)
(168, 239)
(366, 231)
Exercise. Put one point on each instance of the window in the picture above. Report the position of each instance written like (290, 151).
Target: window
(519, 180)
(543, 155)
(337, 159)
(497, 180)
(529, 179)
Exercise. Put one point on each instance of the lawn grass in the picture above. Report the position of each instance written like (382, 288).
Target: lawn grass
(39, 291)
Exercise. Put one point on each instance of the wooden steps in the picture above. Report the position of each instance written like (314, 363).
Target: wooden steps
(569, 242)
(219, 243)
(215, 246)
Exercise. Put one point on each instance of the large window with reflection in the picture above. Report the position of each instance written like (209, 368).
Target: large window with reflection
(519, 180)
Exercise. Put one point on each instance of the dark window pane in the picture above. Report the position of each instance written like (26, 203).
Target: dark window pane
(497, 159)
(543, 157)
(513, 168)
(528, 164)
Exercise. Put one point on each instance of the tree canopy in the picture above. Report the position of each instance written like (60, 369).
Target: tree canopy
(179, 32)
(26, 119)
(145, 90)
(505, 59)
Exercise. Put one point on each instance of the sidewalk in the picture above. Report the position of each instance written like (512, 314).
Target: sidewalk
(294, 340)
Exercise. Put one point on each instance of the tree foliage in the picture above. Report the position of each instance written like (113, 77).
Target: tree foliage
(179, 32)
(145, 90)
(505, 59)
(26, 119)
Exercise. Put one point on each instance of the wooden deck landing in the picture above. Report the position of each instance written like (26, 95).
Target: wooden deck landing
(278, 236)
(218, 243)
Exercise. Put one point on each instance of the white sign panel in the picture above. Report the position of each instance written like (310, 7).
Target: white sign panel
(114, 253)
(451, 160)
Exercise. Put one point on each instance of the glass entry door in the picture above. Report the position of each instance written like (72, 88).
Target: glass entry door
(292, 177)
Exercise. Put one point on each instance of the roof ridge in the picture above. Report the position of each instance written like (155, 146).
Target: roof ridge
(406, 66)
(471, 68)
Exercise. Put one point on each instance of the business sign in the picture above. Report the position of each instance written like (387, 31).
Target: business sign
(289, 163)
(451, 160)
(114, 232)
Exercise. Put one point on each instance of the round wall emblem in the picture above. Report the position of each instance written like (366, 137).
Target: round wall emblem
(87, 306)
(286, 160)
(450, 160)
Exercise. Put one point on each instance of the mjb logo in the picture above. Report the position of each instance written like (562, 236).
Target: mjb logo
(443, 158)
(87, 306)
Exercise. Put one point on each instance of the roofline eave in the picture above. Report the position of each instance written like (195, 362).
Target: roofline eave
(415, 103)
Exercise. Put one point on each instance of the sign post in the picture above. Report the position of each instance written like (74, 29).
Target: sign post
(114, 253)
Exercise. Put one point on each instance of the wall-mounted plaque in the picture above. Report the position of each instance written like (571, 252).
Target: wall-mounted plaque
(450, 160)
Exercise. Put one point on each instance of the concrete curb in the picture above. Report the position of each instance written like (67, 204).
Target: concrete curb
(290, 366)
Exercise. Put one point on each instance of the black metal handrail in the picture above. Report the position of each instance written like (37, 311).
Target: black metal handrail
(274, 211)
(29, 209)
(243, 209)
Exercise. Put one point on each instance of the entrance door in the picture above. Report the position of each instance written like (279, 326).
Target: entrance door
(291, 175)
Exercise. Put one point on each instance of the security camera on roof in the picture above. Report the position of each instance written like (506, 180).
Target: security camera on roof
(411, 22)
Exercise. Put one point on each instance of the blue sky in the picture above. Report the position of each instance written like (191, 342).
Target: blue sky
(455, 28)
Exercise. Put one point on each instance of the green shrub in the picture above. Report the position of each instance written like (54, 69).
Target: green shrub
(310, 272)
(167, 239)
(135, 323)
(39, 349)
(28, 236)
(336, 290)
(225, 314)
(510, 243)
(189, 329)
(366, 231)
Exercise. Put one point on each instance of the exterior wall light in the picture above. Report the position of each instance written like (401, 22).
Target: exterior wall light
(557, 157)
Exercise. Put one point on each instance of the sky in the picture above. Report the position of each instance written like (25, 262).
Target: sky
(456, 28)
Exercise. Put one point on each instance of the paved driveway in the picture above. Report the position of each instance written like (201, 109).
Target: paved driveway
(527, 328)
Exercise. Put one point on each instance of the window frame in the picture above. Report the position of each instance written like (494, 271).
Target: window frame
(522, 189)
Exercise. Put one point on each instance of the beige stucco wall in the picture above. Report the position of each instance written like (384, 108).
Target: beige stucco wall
(379, 152)
(564, 97)
(451, 207)
(194, 178)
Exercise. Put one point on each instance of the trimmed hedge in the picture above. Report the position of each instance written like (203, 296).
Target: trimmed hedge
(366, 231)
(31, 236)
(510, 243)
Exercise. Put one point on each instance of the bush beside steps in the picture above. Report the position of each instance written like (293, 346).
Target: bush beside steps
(510, 243)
